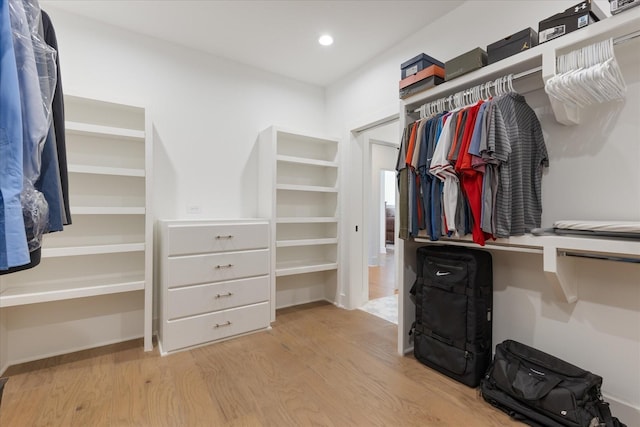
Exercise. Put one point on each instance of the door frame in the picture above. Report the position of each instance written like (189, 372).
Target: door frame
(357, 227)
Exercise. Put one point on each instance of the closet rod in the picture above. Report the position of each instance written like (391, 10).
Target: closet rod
(602, 257)
(616, 41)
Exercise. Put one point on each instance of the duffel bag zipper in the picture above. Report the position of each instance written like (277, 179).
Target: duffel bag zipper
(528, 363)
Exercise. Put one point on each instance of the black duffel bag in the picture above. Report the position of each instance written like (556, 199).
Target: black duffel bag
(541, 390)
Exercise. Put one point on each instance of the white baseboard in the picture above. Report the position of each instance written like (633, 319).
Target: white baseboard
(3, 368)
(69, 350)
(624, 411)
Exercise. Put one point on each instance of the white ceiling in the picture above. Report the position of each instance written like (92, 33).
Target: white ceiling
(277, 36)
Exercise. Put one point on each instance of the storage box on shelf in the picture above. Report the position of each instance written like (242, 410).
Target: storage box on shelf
(215, 281)
(618, 6)
(511, 45)
(572, 19)
(300, 193)
(465, 63)
(107, 250)
(422, 80)
(417, 64)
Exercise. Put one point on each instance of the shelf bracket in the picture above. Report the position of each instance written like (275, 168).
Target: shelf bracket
(560, 273)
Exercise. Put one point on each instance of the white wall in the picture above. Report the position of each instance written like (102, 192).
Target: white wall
(593, 175)
(207, 112)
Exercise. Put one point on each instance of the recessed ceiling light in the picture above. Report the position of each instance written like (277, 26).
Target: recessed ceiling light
(325, 40)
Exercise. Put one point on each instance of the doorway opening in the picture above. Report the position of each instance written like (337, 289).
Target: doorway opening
(379, 203)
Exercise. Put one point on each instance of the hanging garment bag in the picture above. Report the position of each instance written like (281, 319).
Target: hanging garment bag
(454, 298)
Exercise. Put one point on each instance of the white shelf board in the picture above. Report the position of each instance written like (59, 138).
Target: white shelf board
(587, 245)
(312, 188)
(526, 243)
(306, 161)
(45, 292)
(101, 170)
(305, 242)
(300, 267)
(92, 250)
(106, 210)
(91, 129)
(304, 137)
(306, 220)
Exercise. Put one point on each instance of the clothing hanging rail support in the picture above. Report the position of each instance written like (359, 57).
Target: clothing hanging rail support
(618, 40)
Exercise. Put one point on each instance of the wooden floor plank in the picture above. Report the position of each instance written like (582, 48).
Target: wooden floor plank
(318, 365)
(195, 404)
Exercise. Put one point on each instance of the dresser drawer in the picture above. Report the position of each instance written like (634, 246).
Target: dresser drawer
(200, 299)
(196, 269)
(203, 238)
(201, 329)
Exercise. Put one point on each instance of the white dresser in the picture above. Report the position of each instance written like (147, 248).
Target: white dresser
(215, 280)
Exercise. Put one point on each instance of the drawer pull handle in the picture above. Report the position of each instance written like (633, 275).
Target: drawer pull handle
(228, 236)
(220, 325)
(224, 266)
(228, 294)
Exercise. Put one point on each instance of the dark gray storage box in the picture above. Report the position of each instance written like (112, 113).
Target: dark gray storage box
(420, 86)
(465, 63)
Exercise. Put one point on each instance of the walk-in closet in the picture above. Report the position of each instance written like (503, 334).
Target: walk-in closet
(335, 213)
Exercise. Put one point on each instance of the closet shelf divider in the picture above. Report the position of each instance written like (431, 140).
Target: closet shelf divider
(107, 210)
(305, 242)
(306, 161)
(33, 294)
(107, 131)
(92, 250)
(311, 188)
(102, 170)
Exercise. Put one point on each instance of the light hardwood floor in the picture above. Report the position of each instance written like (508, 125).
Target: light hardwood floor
(382, 277)
(319, 365)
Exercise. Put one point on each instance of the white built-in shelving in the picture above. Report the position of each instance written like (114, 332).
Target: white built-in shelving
(300, 193)
(536, 65)
(105, 253)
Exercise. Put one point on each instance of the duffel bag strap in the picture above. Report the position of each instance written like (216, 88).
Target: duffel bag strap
(606, 419)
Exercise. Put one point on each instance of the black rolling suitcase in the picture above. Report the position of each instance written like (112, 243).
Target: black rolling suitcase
(454, 298)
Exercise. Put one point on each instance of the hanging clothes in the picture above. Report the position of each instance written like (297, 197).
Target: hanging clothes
(31, 136)
(57, 108)
(403, 187)
(479, 171)
(527, 159)
(13, 240)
